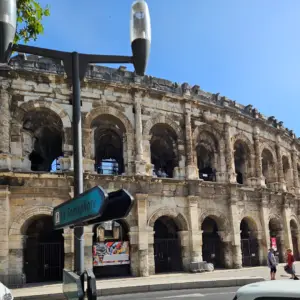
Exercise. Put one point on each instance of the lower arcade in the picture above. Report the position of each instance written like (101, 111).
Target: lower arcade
(172, 224)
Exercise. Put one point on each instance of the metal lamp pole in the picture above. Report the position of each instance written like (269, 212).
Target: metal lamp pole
(75, 65)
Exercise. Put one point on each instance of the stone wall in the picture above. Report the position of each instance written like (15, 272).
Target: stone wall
(140, 110)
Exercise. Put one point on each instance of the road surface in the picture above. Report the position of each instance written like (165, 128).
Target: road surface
(203, 294)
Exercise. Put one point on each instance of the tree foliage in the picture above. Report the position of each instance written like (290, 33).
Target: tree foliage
(30, 15)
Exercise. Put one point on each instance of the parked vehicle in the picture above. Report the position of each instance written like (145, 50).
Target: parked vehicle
(5, 293)
(270, 290)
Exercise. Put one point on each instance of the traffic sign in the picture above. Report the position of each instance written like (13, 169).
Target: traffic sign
(118, 206)
(83, 208)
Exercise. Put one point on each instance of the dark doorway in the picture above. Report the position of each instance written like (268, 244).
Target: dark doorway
(43, 252)
(294, 233)
(167, 249)
(275, 228)
(249, 244)
(211, 243)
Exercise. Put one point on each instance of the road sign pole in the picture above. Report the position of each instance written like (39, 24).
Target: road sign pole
(77, 161)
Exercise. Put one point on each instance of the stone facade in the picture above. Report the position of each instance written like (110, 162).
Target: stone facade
(146, 112)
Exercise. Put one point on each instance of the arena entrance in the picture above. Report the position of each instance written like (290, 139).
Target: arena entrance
(211, 243)
(249, 243)
(167, 249)
(43, 253)
(294, 233)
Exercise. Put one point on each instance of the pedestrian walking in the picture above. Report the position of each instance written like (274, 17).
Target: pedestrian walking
(290, 266)
(272, 263)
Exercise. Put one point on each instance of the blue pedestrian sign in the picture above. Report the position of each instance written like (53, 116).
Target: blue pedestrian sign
(87, 206)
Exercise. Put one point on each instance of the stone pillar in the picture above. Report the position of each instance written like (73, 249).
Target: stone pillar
(5, 117)
(88, 247)
(280, 175)
(260, 180)
(191, 167)
(4, 228)
(236, 235)
(69, 248)
(229, 152)
(185, 255)
(262, 253)
(295, 169)
(195, 232)
(265, 234)
(140, 163)
(280, 236)
(16, 247)
(142, 234)
(226, 246)
(286, 213)
(88, 162)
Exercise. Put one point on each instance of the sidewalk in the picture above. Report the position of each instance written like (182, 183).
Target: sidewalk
(218, 278)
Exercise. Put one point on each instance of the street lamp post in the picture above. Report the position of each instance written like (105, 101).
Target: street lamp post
(75, 65)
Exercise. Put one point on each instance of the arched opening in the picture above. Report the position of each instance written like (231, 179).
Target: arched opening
(275, 228)
(211, 243)
(111, 249)
(298, 169)
(286, 170)
(268, 167)
(249, 243)
(205, 161)
(164, 149)
(295, 237)
(46, 134)
(241, 161)
(207, 155)
(167, 248)
(109, 145)
(43, 253)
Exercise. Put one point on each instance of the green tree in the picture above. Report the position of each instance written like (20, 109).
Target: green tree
(30, 15)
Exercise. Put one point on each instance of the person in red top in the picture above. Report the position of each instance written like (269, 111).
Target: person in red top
(290, 264)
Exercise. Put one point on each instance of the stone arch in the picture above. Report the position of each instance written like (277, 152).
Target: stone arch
(108, 110)
(214, 132)
(163, 119)
(266, 146)
(19, 224)
(222, 222)
(178, 218)
(253, 222)
(245, 140)
(34, 104)
(127, 138)
(277, 219)
(295, 219)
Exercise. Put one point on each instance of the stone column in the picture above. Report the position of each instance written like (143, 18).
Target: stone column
(286, 213)
(262, 253)
(236, 235)
(16, 248)
(88, 247)
(5, 117)
(280, 175)
(185, 247)
(69, 248)
(295, 169)
(88, 150)
(195, 232)
(226, 246)
(142, 234)
(265, 234)
(229, 152)
(4, 228)
(140, 163)
(191, 167)
(257, 162)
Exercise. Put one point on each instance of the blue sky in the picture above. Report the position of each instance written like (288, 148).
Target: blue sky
(246, 50)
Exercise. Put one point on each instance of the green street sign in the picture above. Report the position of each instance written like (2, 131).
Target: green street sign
(85, 207)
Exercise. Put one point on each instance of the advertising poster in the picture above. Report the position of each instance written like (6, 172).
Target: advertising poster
(273, 244)
(111, 254)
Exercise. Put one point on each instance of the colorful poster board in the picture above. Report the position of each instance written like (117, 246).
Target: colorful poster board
(111, 254)
(273, 244)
